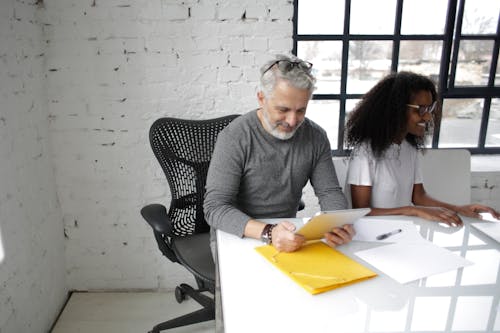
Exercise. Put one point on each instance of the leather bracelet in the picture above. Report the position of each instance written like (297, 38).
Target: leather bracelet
(267, 233)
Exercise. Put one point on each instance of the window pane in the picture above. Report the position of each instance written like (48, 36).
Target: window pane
(326, 114)
(349, 106)
(461, 123)
(369, 61)
(320, 17)
(474, 60)
(493, 132)
(362, 12)
(423, 57)
(327, 62)
(424, 17)
(480, 16)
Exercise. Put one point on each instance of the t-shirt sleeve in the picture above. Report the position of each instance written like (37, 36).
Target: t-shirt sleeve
(359, 172)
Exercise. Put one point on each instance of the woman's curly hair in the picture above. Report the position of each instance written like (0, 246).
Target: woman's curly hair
(381, 116)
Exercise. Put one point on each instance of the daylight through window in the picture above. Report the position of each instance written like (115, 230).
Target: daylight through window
(456, 44)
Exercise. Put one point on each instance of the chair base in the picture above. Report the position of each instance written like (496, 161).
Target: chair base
(204, 314)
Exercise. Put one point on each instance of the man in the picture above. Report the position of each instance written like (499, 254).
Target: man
(263, 159)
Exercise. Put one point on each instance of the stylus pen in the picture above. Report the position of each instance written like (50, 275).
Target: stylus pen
(389, 234)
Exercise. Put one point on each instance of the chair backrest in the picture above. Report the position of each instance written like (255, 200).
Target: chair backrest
(341, 164)
(447, 175)
(184, 149)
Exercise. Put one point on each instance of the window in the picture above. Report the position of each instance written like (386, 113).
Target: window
(354, 43)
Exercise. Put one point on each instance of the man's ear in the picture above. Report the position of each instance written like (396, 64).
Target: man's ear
(261, 98)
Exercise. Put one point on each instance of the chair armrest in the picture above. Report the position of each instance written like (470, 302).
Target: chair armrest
(157, 217)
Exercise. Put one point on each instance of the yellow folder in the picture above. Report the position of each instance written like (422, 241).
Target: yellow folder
(317, 267)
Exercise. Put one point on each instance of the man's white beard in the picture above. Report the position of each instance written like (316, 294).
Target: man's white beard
(273, 128)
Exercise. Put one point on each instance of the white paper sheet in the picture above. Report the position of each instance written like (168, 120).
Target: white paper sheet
(368, 229)
(488, 217)
(405, 262)
(492, 229)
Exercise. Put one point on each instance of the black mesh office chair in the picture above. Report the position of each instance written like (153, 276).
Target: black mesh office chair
(184, 148)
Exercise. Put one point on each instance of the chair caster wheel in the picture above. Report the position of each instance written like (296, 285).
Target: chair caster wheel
(180, 295)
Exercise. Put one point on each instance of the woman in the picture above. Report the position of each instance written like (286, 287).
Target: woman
(386, 131)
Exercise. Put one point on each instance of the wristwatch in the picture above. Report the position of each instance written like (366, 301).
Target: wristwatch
(266, 235)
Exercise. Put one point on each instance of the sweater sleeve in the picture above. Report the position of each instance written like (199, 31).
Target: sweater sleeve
(325, 182)
(223, 180)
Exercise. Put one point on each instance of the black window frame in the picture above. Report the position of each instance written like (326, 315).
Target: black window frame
(451, 39)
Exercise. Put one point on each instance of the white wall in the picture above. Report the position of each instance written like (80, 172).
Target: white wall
(32, 272)
(113, 67)
(485, 188)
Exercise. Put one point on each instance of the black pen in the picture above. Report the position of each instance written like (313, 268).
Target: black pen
(389, 234)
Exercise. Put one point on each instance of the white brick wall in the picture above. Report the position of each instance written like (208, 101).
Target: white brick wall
(94, 79)
(32, 272)
(112, 69)
(485, 188)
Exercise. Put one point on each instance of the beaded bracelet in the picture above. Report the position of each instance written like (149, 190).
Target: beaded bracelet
(267, 233)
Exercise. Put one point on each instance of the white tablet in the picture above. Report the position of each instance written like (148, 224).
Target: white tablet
(324, 222)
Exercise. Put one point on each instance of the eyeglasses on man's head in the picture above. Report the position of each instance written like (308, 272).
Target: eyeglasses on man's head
(286, 66)
(424, 109)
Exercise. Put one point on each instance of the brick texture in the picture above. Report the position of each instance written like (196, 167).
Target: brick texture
(80, 84)
(32, 270)
(113, 67)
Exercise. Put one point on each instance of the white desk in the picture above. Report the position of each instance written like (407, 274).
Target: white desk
(257, 297)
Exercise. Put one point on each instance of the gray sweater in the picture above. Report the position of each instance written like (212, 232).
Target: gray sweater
(255, 175)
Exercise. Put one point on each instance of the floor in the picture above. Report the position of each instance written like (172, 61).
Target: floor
(125, 312)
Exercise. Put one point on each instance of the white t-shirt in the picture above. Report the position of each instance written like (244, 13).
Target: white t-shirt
(391, 177)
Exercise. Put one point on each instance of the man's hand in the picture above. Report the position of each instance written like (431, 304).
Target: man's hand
(340, 235)
(284, 238)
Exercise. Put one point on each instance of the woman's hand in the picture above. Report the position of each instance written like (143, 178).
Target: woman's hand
(340, 235)
(438, 214)
(473, 210)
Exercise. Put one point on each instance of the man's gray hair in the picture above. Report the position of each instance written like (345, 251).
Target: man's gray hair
(296, 77)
